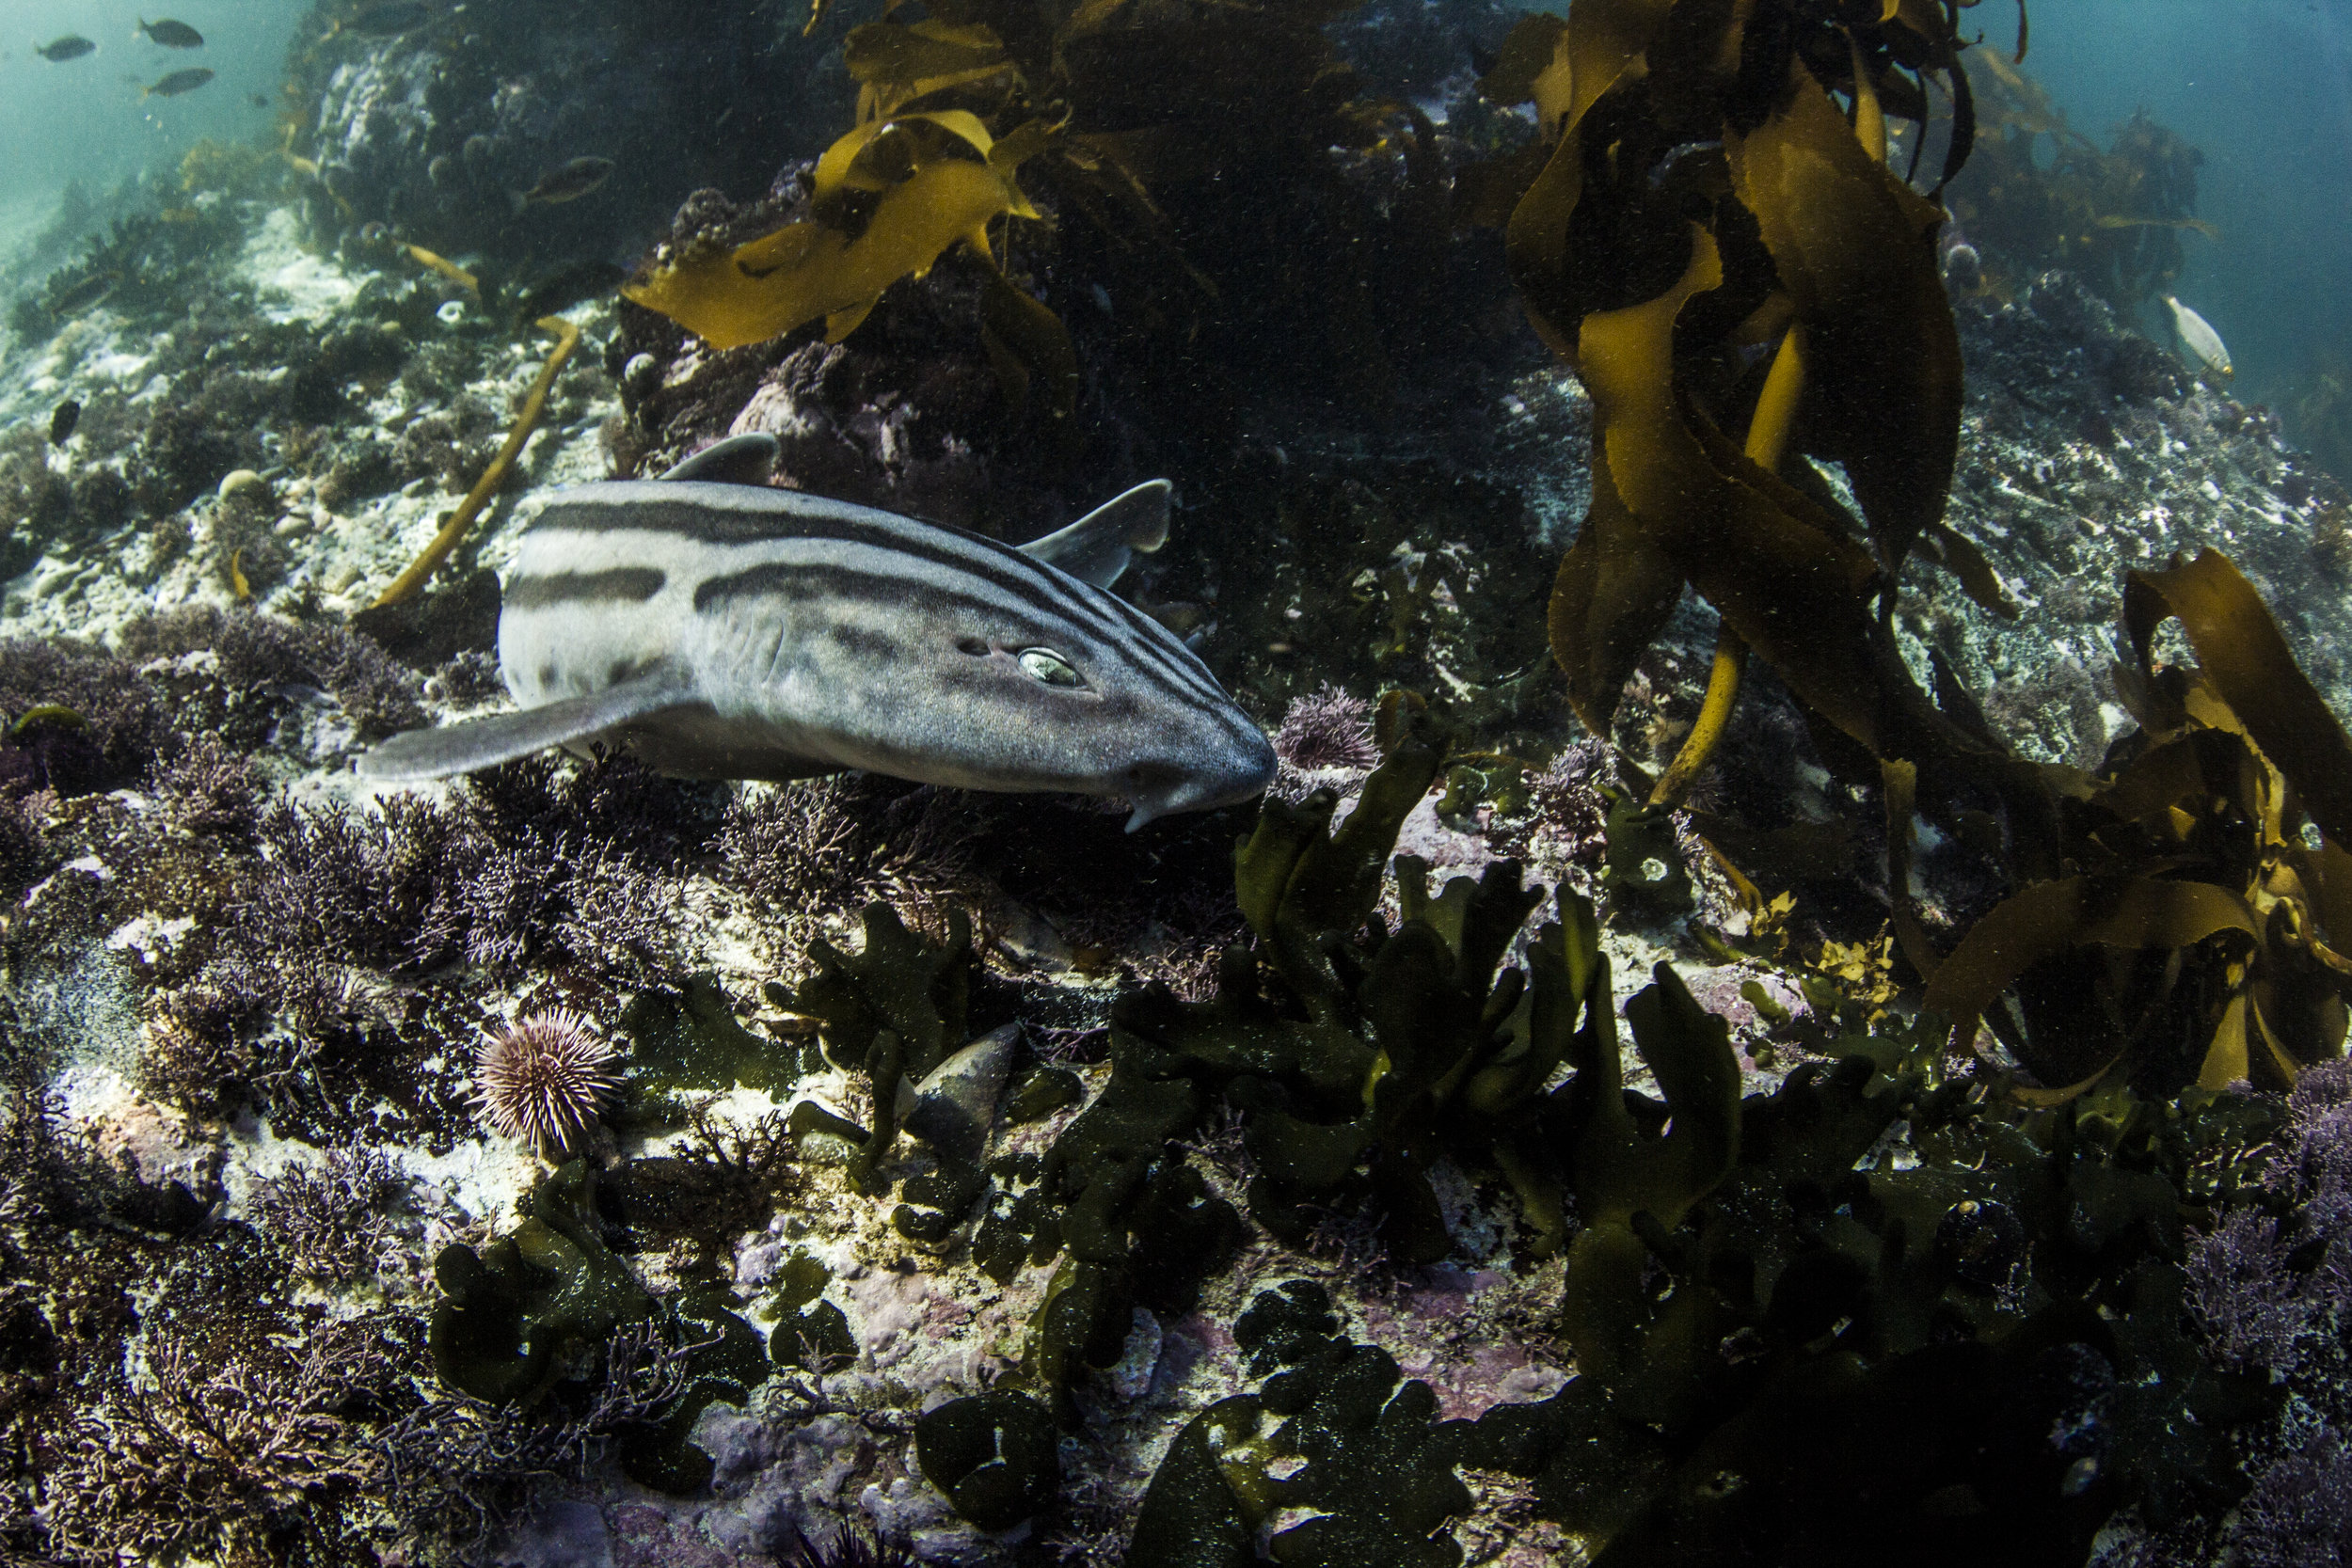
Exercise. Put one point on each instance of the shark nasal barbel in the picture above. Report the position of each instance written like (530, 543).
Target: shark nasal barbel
(718, 627)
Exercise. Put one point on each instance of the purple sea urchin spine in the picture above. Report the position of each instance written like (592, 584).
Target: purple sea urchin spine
(541, 1078)
(1327, 729)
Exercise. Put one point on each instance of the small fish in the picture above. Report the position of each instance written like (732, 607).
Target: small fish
(2199, 339)
(376, 22)
(179, 215)
(567, 183)
(722, 629)
(566, 287)
(81, 295)
(71, 47)
(61, 423)
(172, 35)
(178, 83)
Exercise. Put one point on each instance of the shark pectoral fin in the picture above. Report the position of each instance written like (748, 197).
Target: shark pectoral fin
(737, 460)
(1097, 547)
(461, 748)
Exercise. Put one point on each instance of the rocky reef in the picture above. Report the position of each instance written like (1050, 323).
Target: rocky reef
(443, 131)
(567, 1165)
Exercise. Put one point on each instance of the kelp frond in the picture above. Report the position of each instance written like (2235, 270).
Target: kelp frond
(1099, 99)
(2215, 846)
(926, 180)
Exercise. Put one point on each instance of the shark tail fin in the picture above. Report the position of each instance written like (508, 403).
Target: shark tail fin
(476, 743)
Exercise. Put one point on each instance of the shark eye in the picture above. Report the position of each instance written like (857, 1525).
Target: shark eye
(1045, 665)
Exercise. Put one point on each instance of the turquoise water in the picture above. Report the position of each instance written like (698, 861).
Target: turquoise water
(84, 120)
(2263, 89)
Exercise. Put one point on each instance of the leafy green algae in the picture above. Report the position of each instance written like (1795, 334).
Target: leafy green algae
(690, 1042)
(536, 1304)
(1357, 1055)
(1789, 1347)
(996, 1456)
(530, 1320)
(1974, 1359)
(896, 1009)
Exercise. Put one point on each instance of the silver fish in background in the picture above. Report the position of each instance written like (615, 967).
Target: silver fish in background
(2199, 339)
(720, 628)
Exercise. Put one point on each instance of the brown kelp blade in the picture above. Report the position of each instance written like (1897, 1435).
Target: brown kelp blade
(2054, 918)
(1787, 579)
(810, 269)
(1612, 596)
(1855, 248)
(2242, 652)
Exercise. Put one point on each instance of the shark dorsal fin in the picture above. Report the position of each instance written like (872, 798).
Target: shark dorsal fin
(461, 748)
(737, 460)
(1097, 547)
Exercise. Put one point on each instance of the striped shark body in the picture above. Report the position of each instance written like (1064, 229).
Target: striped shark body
(716, 627)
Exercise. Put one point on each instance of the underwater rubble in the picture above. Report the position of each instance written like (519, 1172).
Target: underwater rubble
(567, 1165)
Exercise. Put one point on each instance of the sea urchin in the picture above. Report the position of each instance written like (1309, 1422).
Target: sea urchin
(1327, 729)
(540, 1080)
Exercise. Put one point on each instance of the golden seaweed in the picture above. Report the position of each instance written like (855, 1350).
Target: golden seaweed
(1650, 263)
(441, 264)
(1094, 100)
(818, 268)
(1705, 197)
(2194, 846)
(1855, 248)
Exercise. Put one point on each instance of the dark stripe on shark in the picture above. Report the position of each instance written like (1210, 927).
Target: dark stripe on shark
(1006, 591)
(618, 585)
(806, 583)
(1096, 612)
(738, 518)
(880, 647)
(828, 583)
(793, 516)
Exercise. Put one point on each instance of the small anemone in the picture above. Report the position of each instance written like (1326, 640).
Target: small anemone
(539, 1080)
(1327, 728)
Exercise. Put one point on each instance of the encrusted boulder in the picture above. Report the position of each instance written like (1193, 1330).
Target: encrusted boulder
(436, 131)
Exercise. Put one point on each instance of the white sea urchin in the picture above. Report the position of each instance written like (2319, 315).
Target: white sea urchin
(540, 1080)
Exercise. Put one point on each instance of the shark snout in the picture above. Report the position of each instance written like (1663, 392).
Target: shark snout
(1237, 769)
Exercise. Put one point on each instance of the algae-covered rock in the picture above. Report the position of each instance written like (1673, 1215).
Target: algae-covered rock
(996, 1456)
(434, 130)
